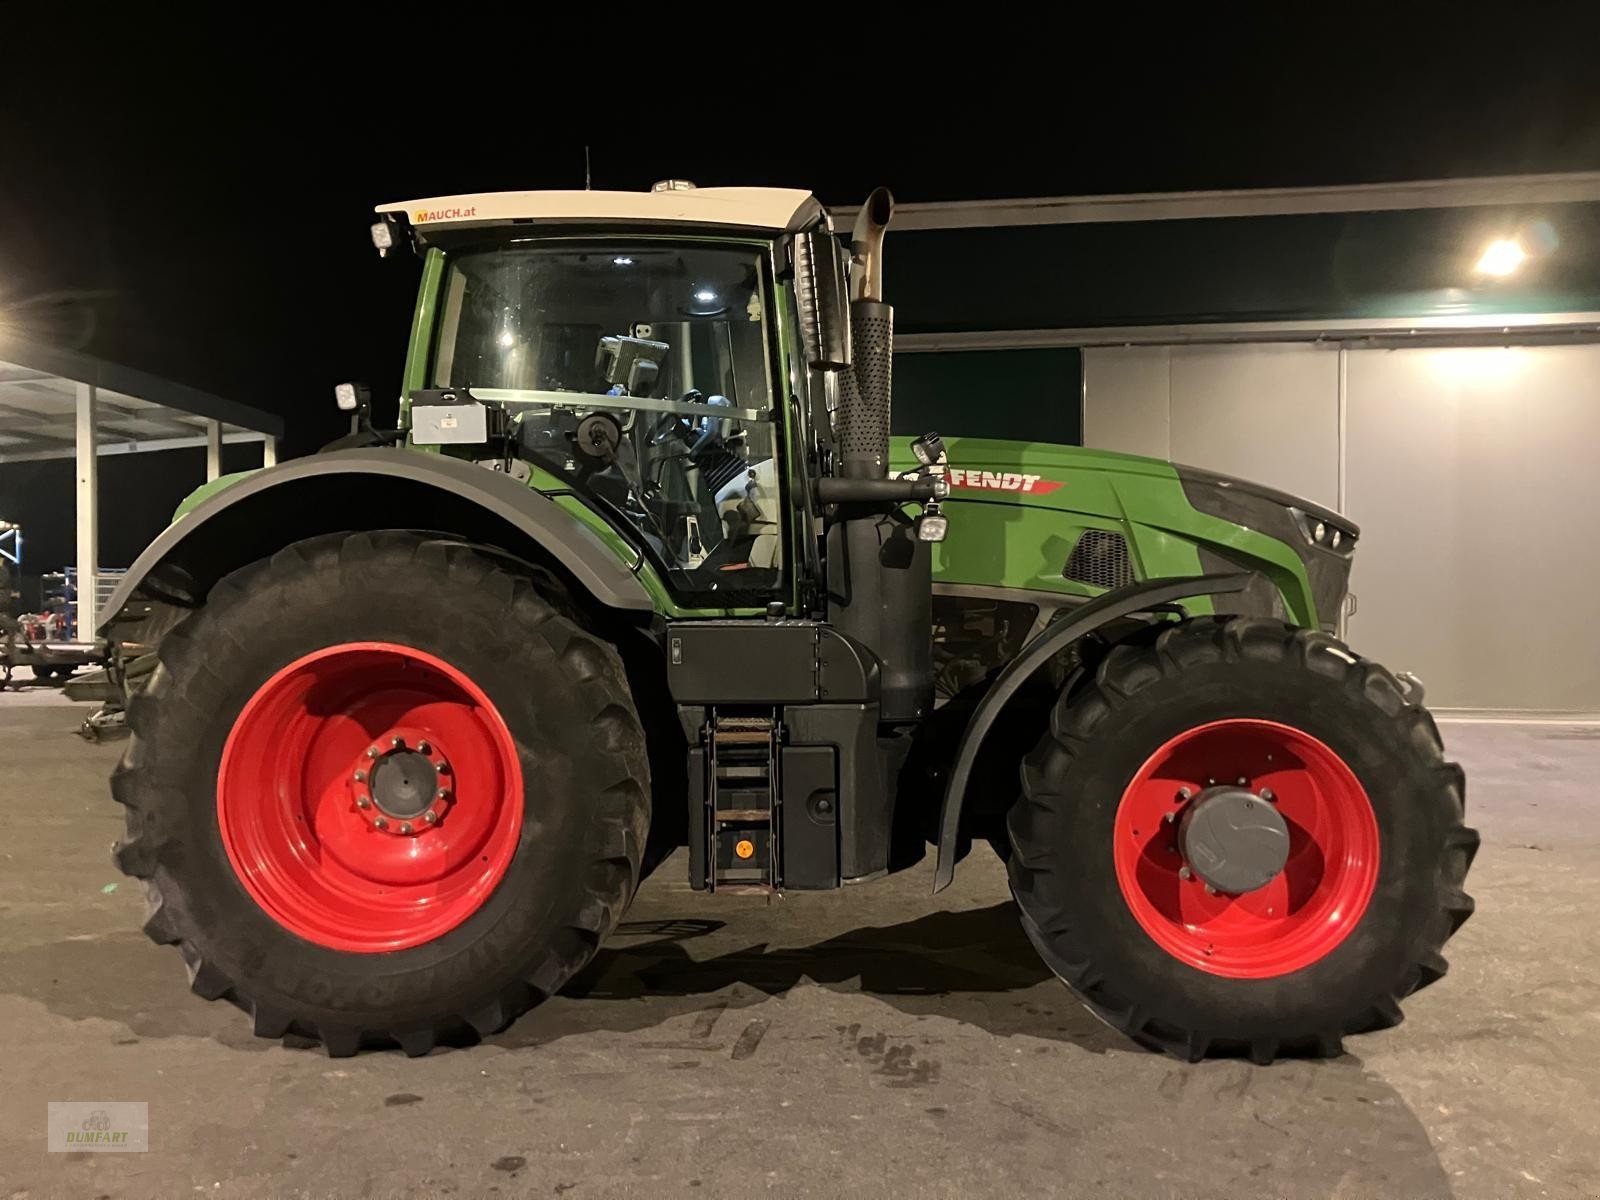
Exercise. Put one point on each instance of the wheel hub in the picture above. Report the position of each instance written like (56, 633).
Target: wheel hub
(401, 786)
(1233, 840)
(1242, 885)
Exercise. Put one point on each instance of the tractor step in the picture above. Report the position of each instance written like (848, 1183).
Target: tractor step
(741, 801)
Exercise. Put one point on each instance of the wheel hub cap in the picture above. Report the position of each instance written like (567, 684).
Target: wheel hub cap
(1233, 840)
(403, 784)
(1246, 848)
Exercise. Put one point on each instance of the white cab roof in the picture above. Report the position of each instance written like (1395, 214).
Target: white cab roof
(746, 207)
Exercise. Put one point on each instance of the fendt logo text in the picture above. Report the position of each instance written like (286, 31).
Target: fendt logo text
(1002, 481)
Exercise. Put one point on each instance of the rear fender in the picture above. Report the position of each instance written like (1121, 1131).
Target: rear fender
(351, 490)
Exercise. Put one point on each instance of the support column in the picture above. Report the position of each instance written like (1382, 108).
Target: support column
(269, 451)
(88, 513)
(213, 450)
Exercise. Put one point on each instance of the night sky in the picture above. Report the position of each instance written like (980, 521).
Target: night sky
(201, 212)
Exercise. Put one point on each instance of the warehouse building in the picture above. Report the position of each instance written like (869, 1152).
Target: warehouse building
(1424, 357)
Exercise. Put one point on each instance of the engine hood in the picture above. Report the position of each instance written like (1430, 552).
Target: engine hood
(1076, 478)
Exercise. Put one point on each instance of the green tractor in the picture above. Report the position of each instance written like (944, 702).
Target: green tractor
(642, 569)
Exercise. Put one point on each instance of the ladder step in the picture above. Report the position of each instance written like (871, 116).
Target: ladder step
(740, 772)
(744, 814)
(743, 737)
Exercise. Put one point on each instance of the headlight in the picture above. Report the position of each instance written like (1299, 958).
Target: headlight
(1323, 533)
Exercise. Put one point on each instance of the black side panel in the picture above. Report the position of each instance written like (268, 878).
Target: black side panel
(880, 585)
(697, 818)
(742, 662)
(810, 817)
(865, 803)
(766, 662)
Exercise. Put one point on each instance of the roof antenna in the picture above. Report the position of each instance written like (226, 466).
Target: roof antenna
(587, 183)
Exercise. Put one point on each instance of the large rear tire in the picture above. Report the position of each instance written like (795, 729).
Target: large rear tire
(1365, 820)
(381, 791)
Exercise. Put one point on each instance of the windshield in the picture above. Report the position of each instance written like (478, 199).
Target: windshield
(640, 372)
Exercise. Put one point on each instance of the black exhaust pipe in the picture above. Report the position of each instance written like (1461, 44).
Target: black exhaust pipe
(880, 574)
(864, 425)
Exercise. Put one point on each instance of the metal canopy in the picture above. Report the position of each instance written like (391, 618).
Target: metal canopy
(134, 411)
(1576, 187)
(61, 404)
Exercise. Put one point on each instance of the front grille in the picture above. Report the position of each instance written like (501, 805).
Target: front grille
(1100, 559)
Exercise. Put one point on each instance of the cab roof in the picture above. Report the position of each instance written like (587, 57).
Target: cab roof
(769, 209)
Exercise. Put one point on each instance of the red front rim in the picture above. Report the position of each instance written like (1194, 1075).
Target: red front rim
(1307, 909)
(296, 797)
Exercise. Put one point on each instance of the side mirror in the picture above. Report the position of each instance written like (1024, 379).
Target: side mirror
(822, 296)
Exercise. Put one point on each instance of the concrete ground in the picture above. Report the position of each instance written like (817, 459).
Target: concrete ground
(874, 1042)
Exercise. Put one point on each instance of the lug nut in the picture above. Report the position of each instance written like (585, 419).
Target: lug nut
(442, 794)
(361, 776)
(397, 743)
(424, 748)
(1243, 781)
(373, 752)
(363, 802)
(1184, 795)
(1269, 795)
(1171, 818)
(431, 817)
(1210, 891)
(405, 827)
(1185, 873)
(379, 823)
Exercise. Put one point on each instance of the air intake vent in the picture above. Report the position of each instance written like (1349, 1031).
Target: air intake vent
(1100, 559)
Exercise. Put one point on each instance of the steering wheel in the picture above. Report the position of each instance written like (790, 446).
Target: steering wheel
(679, 425)
(671, 425)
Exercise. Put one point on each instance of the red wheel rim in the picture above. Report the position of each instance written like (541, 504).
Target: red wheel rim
(297, 787)
(1304, 912)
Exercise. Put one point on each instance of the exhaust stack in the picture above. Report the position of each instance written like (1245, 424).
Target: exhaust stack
(864, 413)
(866, 245)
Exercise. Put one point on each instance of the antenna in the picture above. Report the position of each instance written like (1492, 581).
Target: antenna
(587, 182)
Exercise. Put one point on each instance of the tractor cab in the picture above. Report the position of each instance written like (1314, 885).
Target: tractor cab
(638, 350)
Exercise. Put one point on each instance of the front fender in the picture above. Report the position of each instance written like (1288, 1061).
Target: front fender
(1112, 606)
(349, 490)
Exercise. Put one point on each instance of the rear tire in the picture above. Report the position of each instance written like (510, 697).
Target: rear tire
(236, 765)
(1356, 918)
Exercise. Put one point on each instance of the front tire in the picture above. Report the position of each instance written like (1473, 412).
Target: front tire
(1328, 937)
(381, 791)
